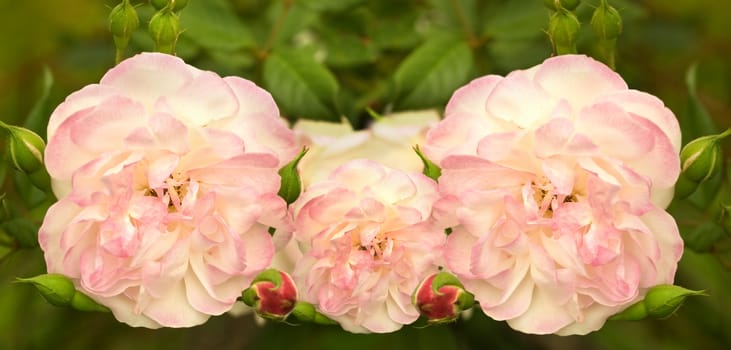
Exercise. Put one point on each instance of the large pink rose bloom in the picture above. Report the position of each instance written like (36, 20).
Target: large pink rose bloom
(367, 240)
(167, 183)
(555, 179)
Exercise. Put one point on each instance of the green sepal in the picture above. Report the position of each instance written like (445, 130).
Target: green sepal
(431, 170)
(291, 185)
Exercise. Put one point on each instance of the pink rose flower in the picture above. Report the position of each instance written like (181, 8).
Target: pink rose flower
(555, 179)
(167, 183)
(367, 239)
(389, 141)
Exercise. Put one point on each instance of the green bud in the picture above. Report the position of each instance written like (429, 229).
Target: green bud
(25, 148)
(165, 28)
(177, 4)
(636, 312)
(663, 300)
(685, 187)
(56, 289)
(701, 158)
(606, 22)
(123, 20)
(430, 169)
(563, 28)
(82, 302)
(556, 4)
(41, 180)
(291, 185)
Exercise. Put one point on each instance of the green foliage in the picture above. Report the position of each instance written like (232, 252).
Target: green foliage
(432, 72)
(323, 59)
(302, 87)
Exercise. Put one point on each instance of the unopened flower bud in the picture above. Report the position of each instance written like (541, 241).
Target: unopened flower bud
(430, 169)
(291, 185)
(56, 289)
(25, 148)
(177, 5)
(123, 20)
(563, 28)
(606, 22)
(165, 28)
(660, 302)
(305, 312)
(567, 4)
(272, 294)
(663, 300)
(685, 187)
(441, 297)
(701, 158)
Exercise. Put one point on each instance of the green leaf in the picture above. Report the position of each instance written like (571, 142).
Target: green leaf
(703, 237)
(429, 75)
(212, 24)
(301, 86)
(38, 116)
(455, 15)
(330, 5)
(23, 230)
(516, 20)
(697, 122)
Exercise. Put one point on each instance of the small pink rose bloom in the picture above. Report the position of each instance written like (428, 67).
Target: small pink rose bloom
(555, 181)
(368, 240)
(167, 183)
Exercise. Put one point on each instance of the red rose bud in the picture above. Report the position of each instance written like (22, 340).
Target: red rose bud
(272, 294)
(441, 297)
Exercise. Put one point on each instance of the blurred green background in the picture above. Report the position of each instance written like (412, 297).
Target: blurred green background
(361, 46)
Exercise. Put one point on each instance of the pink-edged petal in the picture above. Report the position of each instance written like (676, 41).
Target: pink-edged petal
(544, 316)
(87, 97)
(148, 76)
(203, 99)
(174, 309)
(507, 102)
(471, 97)
(638, 142)
(577, 78)
(646, 106)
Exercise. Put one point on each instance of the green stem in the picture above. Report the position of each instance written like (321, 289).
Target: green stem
(287, 4)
